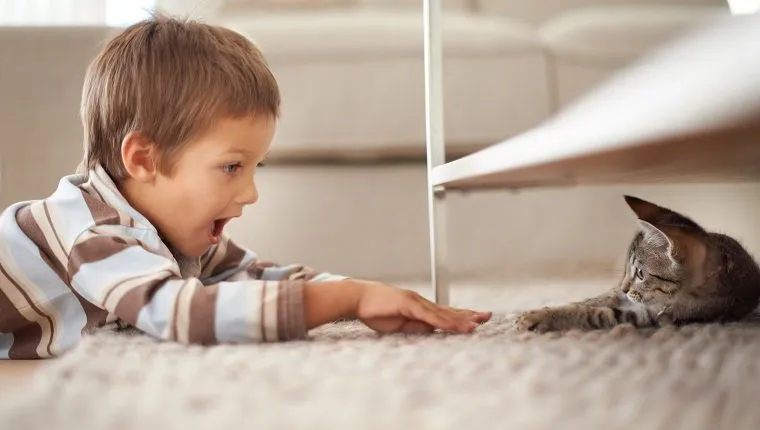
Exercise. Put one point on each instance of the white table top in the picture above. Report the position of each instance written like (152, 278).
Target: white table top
(689, 112)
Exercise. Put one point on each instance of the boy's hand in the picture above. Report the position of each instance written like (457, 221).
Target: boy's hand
(388, 309)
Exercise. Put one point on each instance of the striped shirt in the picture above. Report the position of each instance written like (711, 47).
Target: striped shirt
(84, 257)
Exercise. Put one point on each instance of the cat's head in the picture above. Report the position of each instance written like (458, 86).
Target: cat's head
(667, 254)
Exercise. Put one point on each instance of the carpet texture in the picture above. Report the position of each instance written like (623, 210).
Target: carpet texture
(347, 377)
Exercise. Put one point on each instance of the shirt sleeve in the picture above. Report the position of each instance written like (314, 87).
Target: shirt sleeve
(228, 261)
(128, 273)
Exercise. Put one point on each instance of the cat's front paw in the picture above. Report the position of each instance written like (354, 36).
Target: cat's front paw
(537, 320)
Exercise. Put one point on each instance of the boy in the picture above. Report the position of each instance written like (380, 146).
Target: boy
(177, 116)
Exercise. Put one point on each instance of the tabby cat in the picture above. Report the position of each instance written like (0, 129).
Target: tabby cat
(675, 273)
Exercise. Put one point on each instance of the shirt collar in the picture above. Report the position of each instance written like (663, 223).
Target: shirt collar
(101, 181)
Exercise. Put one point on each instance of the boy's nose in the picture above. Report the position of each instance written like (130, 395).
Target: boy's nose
(249, 195)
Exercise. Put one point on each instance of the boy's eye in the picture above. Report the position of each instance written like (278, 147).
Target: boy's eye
(231, 168)
(261, 164)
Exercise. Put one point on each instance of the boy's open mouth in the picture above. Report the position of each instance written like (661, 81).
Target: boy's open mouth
(216, 228)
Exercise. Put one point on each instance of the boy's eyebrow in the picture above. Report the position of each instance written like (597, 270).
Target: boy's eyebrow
(238, 151)
(244, 152)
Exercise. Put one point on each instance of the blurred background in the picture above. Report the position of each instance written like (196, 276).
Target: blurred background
(345, 188)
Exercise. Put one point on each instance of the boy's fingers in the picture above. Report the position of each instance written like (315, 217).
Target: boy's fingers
(460, 321)
(479, 317)
(446, 317)
(421, 311)
(482, 317)
(470, 313)
(458, 314)
(467, 320)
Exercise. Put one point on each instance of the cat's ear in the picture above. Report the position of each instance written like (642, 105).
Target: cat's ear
(645, 210)
(655, 235)
(662, 217)
(669, 232)
(656, 239)
(680, 245)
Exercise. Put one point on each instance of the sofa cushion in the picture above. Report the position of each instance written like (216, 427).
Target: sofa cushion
(226, 6)
(621, 33)
(353, 81)
(589, 45)
(416, 4)
(356, 33)
(237, 5)
(538, 11)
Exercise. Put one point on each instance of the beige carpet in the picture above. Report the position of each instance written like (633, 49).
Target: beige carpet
(346, 377)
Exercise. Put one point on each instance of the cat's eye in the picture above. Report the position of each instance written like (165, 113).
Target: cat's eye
(639, 274)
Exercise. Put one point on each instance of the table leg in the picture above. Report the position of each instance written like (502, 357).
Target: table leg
(438, 245)
(436, 151)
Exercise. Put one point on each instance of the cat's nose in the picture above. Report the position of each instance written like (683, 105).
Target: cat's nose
(626, 288)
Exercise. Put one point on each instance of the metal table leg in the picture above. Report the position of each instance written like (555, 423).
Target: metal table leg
(436, 151)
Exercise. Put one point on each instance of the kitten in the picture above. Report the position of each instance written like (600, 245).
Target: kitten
(675, 273)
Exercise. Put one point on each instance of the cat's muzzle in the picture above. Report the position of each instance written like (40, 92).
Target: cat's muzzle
(633, 296)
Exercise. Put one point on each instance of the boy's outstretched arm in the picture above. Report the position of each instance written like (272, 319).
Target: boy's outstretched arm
(384, 308)
(126, 272)
(329, 297)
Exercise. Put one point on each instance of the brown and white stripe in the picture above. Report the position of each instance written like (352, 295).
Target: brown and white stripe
(31, 327)
(43, 235)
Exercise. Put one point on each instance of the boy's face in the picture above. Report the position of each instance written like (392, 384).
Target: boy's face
(212, 180)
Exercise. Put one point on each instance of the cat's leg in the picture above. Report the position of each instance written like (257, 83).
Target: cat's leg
(607, 299)
(602, 312)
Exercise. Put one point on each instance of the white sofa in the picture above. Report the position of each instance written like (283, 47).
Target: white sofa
(352, 70)
(351, 73)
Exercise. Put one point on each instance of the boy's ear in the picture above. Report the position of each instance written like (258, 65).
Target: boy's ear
(138, 154)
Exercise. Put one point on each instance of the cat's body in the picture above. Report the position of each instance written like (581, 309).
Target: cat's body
(675, 273)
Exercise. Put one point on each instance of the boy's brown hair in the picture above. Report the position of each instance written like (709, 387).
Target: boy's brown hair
(170, 79)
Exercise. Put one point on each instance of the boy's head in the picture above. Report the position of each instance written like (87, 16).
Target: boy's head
(180, 113)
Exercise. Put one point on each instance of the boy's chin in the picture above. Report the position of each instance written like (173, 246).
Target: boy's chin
(192, 249)
(197, 251)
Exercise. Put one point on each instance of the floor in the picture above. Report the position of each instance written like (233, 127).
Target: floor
(14, 375)
(696, 377)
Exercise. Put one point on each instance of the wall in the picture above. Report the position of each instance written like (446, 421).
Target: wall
(372, 222)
